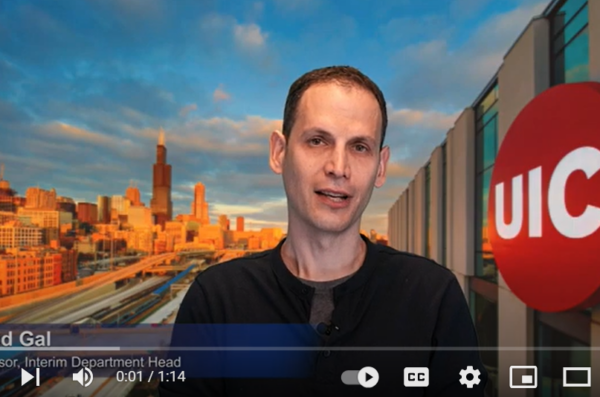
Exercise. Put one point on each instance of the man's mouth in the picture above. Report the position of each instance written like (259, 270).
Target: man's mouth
(335, 196)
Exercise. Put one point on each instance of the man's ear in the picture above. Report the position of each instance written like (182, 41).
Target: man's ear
(384, 156)
(276, 151)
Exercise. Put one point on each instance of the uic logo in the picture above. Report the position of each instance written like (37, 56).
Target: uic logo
(544, 200)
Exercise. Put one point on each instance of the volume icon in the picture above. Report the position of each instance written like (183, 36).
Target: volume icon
(84, 377)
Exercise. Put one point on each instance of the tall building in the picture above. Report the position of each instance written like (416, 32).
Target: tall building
(87, 213)
(66, 204)
(239, 223)
(6, 193)
(17, 235)
(444, 212)
(205, 219)
(139, 216)
(47, 220)
(104, 206)
(199, 203)
(161, 204)
(224, 222)
(23, 271)
(121, 204)
(133, 194)
(40, 199)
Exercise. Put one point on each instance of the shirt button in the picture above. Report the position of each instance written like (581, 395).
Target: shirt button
(304, 290)
(327, 353)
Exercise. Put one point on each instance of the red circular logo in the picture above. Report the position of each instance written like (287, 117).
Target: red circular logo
(544, 200)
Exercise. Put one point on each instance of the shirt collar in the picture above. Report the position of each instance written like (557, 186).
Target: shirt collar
(362, 275)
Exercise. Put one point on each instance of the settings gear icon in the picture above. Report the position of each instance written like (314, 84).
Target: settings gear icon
(464, 379)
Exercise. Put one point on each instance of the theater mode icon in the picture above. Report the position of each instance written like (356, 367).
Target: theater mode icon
(523, 377)
(577, 377)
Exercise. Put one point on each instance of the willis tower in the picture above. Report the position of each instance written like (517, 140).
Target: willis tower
(161, 204)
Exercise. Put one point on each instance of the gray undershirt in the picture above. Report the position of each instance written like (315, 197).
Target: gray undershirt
(322, 302)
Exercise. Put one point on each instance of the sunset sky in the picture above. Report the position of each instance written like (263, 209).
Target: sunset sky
(86, 85)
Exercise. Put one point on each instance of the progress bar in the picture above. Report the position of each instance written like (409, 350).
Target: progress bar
(292, 348)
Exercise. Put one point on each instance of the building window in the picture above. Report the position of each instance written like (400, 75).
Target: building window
(444, 203)
(573, 342)
(486, 148)
(484, 311)
(428, 210)
(570, 42)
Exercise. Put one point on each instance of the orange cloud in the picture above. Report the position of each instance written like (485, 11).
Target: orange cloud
(220, 94)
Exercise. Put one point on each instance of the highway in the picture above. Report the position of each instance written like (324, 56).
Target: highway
(87, 311)
(167, 311)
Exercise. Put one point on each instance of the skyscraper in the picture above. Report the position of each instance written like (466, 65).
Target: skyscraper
(41, 199)
(224, 222)
(240, 224)
(161, 204)
(205, 218)
(104, 206)
(87, 213)
(133, 194)
(198, 204)
(6, 193)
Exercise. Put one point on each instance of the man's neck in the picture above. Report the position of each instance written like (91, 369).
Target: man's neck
(323, 257)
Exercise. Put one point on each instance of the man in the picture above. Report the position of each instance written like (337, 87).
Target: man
(372, 305)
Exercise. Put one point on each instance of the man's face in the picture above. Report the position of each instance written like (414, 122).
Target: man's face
(332, 159)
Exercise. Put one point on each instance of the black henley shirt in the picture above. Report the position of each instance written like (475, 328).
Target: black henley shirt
(395, 299)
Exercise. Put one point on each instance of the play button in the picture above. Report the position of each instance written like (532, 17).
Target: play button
(25, 377)
(368, 377)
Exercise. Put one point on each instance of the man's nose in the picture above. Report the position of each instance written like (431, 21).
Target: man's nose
(337, 165)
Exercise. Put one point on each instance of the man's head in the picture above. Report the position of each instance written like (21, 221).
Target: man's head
(343, 75)
(331, 152)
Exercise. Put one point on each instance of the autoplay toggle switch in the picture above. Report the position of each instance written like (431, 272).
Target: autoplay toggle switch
(366, 377)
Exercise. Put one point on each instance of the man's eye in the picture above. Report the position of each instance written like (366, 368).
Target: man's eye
(361, 148)
(315, 141)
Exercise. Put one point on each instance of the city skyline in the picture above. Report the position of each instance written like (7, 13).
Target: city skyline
(82, 105)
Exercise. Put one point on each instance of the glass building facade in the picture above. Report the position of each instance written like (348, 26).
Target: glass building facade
(428, 214)
(443, 233)
(483, 301)
(486, 149)
(570, 42)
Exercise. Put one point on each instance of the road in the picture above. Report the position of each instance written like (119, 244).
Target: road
(116, 298)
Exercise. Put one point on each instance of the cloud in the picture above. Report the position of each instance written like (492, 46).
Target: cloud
(433, 74)
(220, 95)
(74, 133)
(428, 119)
(187, 109)
(91, 139)
(249, 37)
(398, 170)
(221, 135)
(463, 9)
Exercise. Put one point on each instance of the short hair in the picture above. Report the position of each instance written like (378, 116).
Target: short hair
(344, 75)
